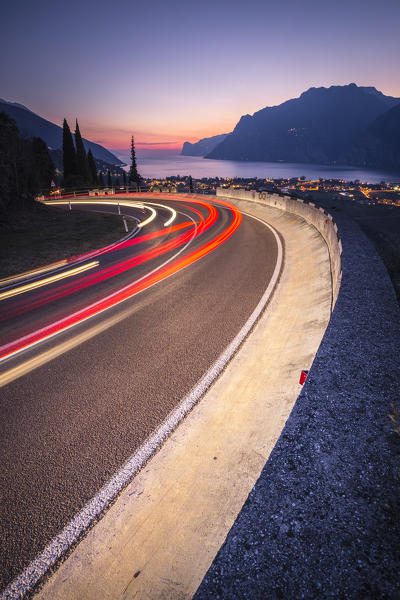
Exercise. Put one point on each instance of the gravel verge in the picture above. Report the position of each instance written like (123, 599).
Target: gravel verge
(323, 520)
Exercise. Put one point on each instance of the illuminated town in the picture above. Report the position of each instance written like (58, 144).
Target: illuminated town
(320, 189)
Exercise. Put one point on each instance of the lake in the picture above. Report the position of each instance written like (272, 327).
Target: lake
(170, 164)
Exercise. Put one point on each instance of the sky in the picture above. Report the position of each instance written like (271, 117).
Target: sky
(168, 71)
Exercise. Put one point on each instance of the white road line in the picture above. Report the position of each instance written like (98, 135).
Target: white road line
(71, 533)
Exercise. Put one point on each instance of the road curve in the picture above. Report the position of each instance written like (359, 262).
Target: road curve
(71, 419)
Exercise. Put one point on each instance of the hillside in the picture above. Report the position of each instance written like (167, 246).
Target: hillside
(32, 125)
(379, 145)
(318, 127)
(203, 146)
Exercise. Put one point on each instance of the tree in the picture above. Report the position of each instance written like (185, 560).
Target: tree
(82, 167)
(25, 167)
(69, 157)
(190, 184)
(92, 168)
(133, 172)
(109, 184)
(9, 167)
(101, 179)
(44, 168)
(124, 178)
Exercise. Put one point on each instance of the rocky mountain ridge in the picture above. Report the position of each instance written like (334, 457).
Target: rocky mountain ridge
(323, 125)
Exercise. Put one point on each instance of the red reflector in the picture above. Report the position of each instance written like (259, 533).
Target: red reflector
(303, 377)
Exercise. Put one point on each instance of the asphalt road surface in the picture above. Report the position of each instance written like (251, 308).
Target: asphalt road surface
(70, 423)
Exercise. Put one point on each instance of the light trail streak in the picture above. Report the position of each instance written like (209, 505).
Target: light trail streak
(34, 272)
(124, 203)
(131, 204)
(36, 284)
(204, 224)
(170, 209)
(150, 219)
(42, 358)
(16, 346)
(171, 219)
(111, 271)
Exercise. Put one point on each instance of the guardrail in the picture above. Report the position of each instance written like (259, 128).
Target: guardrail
(317, 217)
(101, 191)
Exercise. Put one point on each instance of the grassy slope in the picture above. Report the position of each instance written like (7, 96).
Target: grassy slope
(44, 235)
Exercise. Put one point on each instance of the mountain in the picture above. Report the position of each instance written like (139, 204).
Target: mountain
(379, 145)
(202, 147)
(15, 104)
(32, 125)
(318, 127)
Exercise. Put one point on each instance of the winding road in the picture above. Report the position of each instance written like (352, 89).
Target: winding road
(95, 352)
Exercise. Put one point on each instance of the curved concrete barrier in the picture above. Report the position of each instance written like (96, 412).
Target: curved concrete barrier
(317, 217)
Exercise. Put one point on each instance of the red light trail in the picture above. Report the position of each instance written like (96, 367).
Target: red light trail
(193, 230)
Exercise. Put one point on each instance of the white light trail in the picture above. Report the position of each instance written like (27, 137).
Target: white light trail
(47, 280)
(111, 203)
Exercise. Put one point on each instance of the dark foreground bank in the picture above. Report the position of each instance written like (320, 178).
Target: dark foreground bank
(43, 235)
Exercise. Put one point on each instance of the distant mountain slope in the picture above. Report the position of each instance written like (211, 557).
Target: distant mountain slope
(203, 146)
(15, 104)
(32, 125)
(379, 145)
(317, 127)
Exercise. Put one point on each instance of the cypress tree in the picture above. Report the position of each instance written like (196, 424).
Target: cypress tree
(69, 156)
(101, 179)
(81, 158)
(109, 184)
(190, 184)
(133, 172)
(92, 168)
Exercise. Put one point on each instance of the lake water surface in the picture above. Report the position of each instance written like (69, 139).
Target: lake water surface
(171, 164)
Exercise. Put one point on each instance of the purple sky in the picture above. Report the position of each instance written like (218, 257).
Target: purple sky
(182, 70)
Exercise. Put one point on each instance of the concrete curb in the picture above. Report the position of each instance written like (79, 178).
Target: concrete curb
(323, 520)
